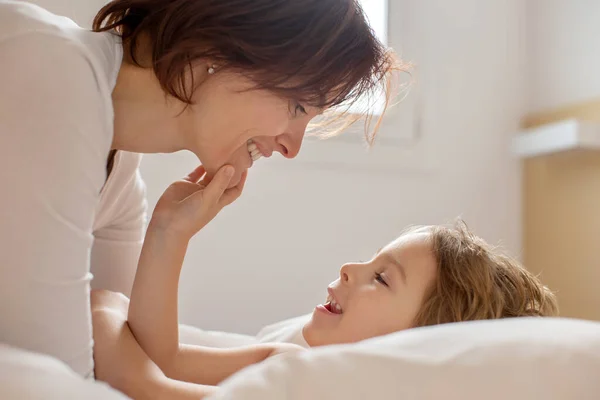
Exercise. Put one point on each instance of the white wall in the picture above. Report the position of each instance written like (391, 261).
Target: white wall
(564, 53)
(271, 255)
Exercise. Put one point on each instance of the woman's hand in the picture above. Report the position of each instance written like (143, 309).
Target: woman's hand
(188, 205)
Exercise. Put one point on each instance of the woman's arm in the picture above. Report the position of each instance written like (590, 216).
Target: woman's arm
(118, 241)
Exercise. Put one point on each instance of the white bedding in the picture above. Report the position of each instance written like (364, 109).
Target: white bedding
(533, 358)
(199, 337)
(32, 376)
(521, 358)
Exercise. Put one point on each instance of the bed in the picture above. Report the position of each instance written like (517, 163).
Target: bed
(524, 358)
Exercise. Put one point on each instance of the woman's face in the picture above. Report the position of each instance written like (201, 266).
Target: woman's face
(228, 116)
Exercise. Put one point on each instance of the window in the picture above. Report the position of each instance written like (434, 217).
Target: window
(376, 11)
(377, 15)
(401, 140)
(402, 125)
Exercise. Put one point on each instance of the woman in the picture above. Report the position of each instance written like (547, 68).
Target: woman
(229, 80)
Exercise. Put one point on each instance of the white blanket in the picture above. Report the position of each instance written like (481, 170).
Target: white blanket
(524, 358)
(32, 376)
(520, 359)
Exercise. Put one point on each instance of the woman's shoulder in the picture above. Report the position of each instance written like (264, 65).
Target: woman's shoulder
(20, 17)
(55, 86)
(33, 30)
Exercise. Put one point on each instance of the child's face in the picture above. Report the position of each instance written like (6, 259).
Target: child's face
(378, 297)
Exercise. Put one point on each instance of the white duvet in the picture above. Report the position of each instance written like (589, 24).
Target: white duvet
(525, 358)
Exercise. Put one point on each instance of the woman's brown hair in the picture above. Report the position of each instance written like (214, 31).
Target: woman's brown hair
(319, 52)
(475, 281)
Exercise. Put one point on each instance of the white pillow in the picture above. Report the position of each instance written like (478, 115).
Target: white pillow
(30, 376)
(521, 358)
(199, 337)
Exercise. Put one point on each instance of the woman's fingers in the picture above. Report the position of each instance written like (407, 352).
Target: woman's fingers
(195, 175)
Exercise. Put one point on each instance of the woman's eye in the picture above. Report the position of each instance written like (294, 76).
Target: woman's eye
(379, 278)
(300, 109)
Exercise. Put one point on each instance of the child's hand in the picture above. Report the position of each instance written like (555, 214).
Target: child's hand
(188, 205)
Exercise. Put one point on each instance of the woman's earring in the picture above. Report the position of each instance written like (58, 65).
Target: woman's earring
(211, 69)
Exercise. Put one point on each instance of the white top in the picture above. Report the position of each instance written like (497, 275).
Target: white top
(60, 220)
(287, 331)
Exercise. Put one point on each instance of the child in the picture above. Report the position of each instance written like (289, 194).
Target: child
(429, 275)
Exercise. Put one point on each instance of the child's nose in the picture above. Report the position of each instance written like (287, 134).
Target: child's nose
(346, 273)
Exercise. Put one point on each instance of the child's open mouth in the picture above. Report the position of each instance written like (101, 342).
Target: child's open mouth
(332, 306)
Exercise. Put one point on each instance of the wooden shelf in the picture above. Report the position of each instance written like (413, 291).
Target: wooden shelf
(565, 135)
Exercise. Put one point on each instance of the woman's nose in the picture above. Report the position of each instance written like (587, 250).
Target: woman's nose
(289, 145)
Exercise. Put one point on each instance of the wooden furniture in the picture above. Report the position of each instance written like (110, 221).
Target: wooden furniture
(561, 209)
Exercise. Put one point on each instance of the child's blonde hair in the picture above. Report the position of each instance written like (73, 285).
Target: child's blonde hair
(475, 281)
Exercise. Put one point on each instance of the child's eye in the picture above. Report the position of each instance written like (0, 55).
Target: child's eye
(379, 278)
